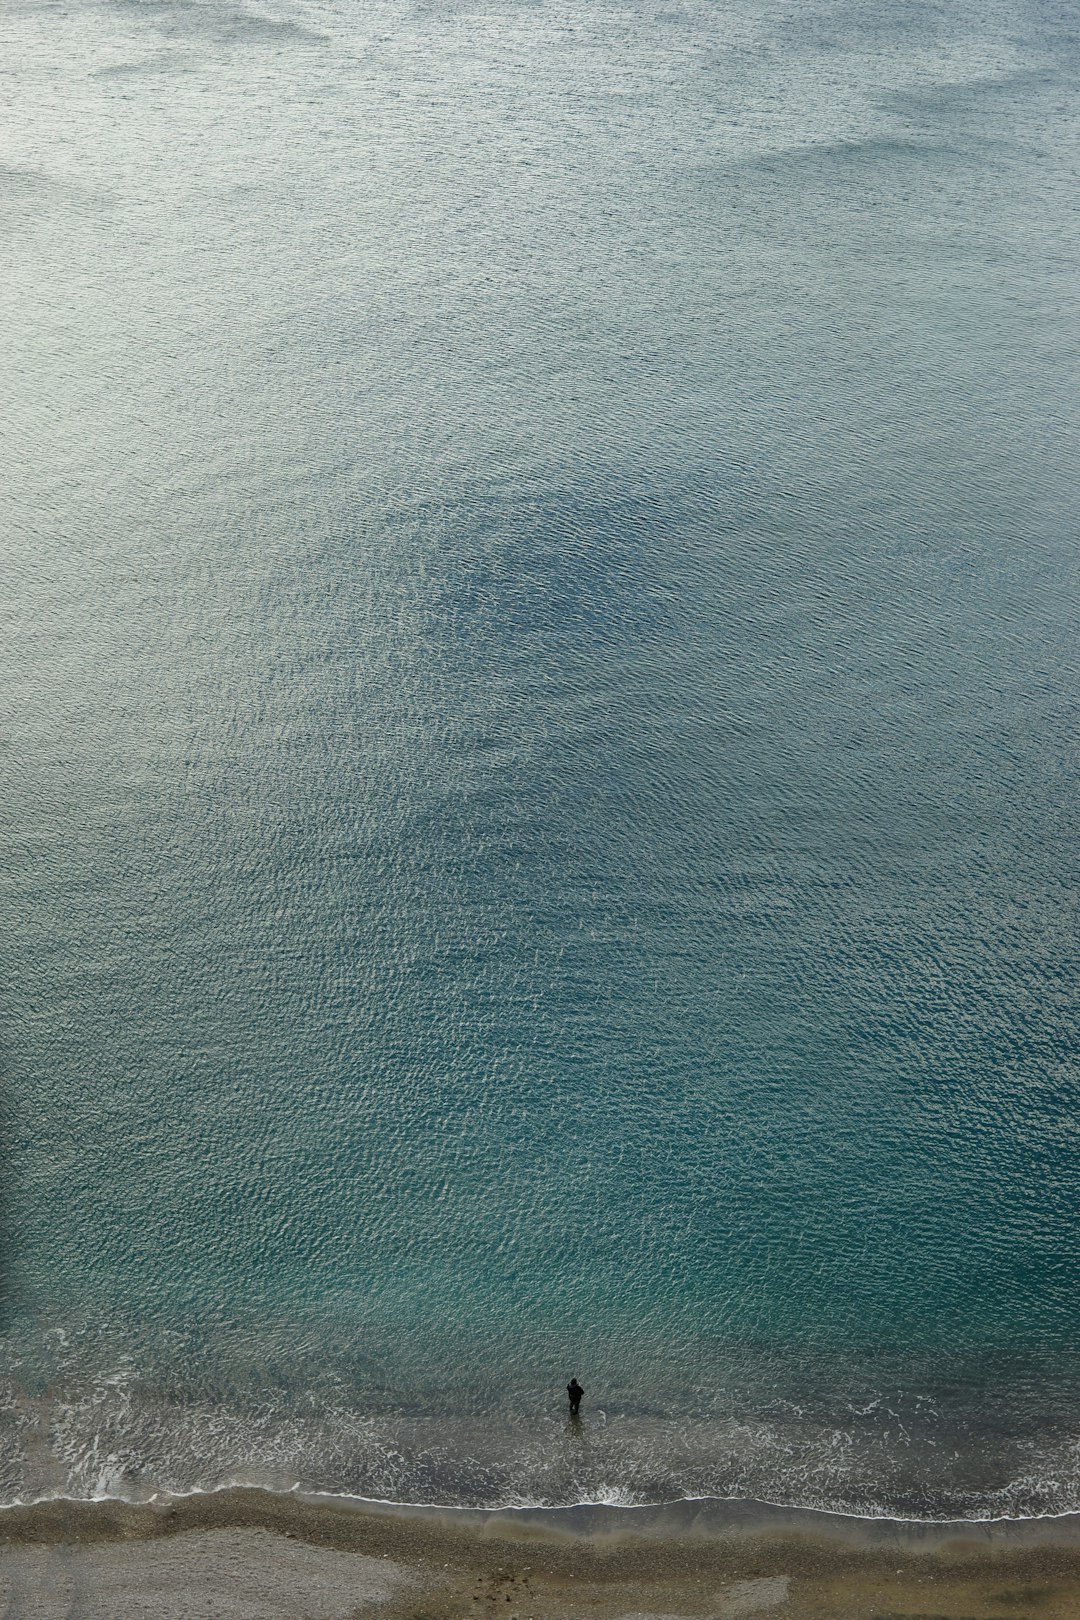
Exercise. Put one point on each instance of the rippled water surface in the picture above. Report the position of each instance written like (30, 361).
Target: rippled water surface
(539, 775)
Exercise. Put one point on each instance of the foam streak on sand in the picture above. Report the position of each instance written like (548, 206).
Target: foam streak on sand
(252, 1555)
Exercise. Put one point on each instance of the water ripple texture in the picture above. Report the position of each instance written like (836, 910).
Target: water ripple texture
(539, 784)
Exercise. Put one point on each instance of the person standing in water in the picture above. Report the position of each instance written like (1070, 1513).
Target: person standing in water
(575, 1392)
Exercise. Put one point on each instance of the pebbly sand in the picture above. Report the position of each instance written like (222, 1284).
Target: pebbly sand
(246, 1554)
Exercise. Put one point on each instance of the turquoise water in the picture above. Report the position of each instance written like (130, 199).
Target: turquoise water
(540, 767)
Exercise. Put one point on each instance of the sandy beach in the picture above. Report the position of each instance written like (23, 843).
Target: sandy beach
(246, 1554)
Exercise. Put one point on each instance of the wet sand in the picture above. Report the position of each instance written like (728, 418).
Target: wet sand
(246, 1554)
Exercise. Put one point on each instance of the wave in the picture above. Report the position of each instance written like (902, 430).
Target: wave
(116, 1443)
(93, 1411)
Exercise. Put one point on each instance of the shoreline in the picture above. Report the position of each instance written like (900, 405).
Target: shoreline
(574, 1518)
(250, 1552)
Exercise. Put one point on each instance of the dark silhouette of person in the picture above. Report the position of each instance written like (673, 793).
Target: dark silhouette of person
(575, 1392)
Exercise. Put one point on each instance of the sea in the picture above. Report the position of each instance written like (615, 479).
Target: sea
(539, 772)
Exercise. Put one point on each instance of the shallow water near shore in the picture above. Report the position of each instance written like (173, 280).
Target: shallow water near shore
(540, 800)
